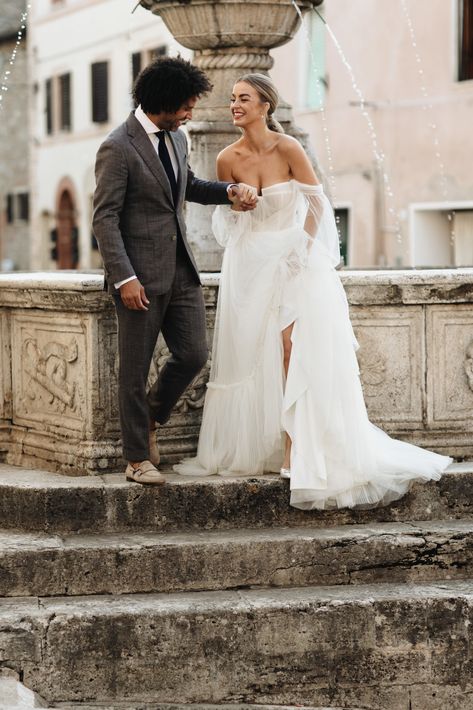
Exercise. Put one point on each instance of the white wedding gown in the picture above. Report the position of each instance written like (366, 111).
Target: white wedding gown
(279, 268)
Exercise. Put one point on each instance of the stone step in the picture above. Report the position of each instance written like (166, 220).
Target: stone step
(147, 706)
(389, 646)
(42, 501)
(50, 565)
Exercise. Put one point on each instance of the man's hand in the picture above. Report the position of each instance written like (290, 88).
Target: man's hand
(243, 197)
(133, 296)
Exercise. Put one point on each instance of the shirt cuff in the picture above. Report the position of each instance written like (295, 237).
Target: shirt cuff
(232, 184)
(125, 281)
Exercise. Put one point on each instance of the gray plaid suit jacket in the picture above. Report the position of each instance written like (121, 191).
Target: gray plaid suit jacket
(135, 220)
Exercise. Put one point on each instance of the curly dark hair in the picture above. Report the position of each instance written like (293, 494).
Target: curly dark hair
(167, 83)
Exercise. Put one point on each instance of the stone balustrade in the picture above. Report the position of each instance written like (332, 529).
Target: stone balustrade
(58, 376)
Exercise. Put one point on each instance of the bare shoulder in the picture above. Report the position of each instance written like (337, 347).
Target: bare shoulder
(297, 159)
(228, 153)
(289, 146)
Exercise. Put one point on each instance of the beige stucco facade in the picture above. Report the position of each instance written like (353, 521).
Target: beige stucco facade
(418, 109)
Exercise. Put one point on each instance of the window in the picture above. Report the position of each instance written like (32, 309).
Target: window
(23, 206)
(65, 102)
(342, 222)
(18, 207)
(100, 92)
(139, 60)
(135, 65)
(10, 213)
(441, 235)
(49, 105)
(465, 37)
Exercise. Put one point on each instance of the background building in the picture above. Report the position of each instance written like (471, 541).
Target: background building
(84, 55)
(14, 179)
(418, 90)
(414, 70)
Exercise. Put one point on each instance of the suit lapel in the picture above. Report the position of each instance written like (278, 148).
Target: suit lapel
(142, 144)
(181, 160)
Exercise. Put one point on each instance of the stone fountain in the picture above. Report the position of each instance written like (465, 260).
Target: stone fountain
(229, 38)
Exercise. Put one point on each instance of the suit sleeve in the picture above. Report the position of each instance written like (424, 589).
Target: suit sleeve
(111, 172)
(206, 192)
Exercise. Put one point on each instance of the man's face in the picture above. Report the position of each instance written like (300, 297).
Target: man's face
(171, 121)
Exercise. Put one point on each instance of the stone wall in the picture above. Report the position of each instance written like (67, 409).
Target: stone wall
(58, 377)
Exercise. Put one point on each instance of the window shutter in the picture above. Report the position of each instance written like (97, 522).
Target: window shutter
(465, 69)
(135, 65)
(65, 102)
(23, 199)
(100, 92)
(49, 105)
(10, 213)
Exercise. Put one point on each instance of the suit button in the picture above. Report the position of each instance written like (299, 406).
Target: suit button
(173, 238)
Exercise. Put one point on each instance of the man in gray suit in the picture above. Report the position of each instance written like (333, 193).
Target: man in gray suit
(143, 180)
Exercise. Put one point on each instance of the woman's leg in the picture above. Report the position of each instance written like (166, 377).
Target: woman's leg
(287, 347)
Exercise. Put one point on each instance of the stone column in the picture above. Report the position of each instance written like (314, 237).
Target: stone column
(229, 38)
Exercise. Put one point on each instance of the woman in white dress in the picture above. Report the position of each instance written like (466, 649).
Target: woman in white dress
(284, 391)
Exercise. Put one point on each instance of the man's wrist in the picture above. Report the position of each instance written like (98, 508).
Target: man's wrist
(119, 284)
(230, 186)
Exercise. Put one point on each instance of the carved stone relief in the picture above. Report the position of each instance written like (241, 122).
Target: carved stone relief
(193, 398)
(49, 367)
(5, 367)
(468, 365)
(450, 366)
(391, 362)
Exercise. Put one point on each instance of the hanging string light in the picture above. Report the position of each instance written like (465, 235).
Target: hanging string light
(7, 73)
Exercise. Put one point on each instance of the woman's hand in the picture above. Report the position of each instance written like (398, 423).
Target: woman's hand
(243, 197)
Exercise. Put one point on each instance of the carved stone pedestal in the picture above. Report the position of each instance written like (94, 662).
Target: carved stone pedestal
(58, 377)
(58, 357)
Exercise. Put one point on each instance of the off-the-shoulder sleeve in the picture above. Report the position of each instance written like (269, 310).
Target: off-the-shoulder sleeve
(319, 220)
(228, 225)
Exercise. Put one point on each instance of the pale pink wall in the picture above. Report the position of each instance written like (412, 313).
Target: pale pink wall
(375, 38)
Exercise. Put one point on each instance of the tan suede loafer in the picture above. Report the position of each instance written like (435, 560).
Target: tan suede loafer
(154, 455)
(145, 472)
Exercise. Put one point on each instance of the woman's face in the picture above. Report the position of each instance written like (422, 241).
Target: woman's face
(246, 105)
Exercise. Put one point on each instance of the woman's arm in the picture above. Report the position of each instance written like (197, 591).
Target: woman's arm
(301, 170)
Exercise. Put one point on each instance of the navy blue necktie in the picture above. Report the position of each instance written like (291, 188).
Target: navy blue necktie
(166, 161)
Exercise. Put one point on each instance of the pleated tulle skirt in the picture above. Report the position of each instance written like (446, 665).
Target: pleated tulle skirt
(339, 458)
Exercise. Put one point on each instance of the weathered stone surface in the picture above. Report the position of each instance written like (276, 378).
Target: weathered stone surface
(313, 645)
(48, 565)
(391, 360)
(58, 379)
(49, 502)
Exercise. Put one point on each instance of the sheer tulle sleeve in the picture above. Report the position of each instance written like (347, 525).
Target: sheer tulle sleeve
(317, 217)
(228, 225)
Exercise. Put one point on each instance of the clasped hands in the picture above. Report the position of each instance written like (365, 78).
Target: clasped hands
(243, 197)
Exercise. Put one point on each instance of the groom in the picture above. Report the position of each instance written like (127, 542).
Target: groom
(143, 180)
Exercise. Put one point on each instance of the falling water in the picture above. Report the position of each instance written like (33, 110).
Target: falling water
(7, 73)
(315, 68)
(378, 154)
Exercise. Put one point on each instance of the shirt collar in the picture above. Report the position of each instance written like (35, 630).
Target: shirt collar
(147, 124)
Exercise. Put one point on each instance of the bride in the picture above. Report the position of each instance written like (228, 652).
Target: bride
(284, 383)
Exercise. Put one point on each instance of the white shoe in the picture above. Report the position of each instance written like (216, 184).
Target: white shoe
(145, 472)
(285, 473)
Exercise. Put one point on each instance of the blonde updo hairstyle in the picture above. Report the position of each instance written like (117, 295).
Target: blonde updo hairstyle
(267, 93)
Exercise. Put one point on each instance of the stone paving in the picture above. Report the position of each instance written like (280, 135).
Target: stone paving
(216, 593)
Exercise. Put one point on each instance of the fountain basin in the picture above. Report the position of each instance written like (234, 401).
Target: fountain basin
(58, 374)
(208, 24)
